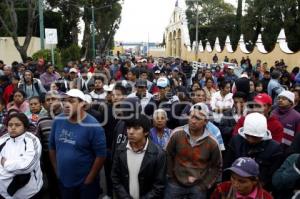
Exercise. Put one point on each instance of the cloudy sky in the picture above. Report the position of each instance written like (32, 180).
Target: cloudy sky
(140, 17)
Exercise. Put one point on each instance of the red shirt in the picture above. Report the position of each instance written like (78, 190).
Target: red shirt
(9, 90)
(225, 190)
(92, 69)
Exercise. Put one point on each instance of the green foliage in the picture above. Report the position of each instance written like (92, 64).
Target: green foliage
(70, 53)
(216, 19)
(107, 19)
(291, 13)
(69, 12)
(261, 16)
(60, 57)
(46, 55)
(55, 20)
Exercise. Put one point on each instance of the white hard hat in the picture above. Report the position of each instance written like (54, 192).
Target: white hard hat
(255, 124)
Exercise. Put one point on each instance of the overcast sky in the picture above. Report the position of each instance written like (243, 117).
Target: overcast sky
(140, 17)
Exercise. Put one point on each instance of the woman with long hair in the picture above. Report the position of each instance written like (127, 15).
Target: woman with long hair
(19, 102)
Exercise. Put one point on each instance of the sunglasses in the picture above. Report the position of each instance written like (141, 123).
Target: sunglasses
(159, 87)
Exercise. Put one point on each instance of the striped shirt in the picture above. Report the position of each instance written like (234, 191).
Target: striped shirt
(44, 125)
(290, 120)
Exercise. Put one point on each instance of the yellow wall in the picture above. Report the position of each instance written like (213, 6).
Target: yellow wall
(9, 53)
(118, 48)
(291, 60)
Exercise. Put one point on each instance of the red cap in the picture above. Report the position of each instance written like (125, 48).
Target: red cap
(263, 98)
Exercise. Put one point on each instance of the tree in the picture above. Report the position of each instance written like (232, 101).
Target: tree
(70, 13)
(290, 10)
(235, 34)
(106, 25)
(211, 14)
(10, 23)
(107, 20)
(70, 53)
(262, 16)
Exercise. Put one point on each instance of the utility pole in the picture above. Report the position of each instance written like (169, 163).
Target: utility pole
(93, 31)
(41, 22)
(197, 27)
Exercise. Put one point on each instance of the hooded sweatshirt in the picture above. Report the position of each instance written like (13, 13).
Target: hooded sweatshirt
(274, 126)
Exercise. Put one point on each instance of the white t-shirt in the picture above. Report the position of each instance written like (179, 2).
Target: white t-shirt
(134, 162)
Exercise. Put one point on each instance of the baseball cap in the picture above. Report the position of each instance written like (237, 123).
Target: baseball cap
(245, 167)
(289, 95)
(73, 70)
(162, 82)
(77, 93)
(263, 98)
(202, 107)
(141, 82)
(255, 124)
(157, 72)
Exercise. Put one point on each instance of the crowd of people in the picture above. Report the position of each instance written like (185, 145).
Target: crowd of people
(160, 128)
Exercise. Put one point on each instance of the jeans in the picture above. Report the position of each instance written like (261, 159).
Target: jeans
(175, 191)
(90, 191)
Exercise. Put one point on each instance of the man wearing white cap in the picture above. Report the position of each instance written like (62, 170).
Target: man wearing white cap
(288, 116)
(164, 100)
(255, 141)
(230, 76)
(77, 148)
